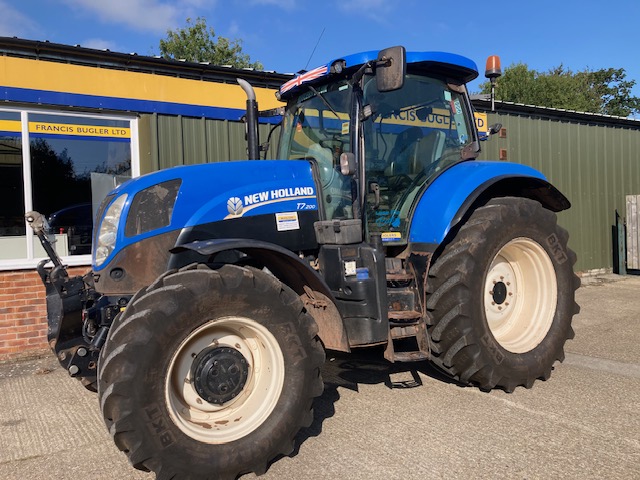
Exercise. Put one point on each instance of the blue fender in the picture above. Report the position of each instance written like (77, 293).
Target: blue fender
(449, 197)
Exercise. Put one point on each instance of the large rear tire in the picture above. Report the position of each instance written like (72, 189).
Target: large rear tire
(501, 295)
(210, 373)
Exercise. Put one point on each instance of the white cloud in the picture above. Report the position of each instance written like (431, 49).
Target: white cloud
(15, 24)
(284, 4)
(99, 44)
(156, 16)
(233, 29)
(374, 9)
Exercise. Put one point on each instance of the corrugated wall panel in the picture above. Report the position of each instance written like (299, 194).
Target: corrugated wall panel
(217, 141)
(175, 140)
(169, 141)
(237, 143)
(594, 166)
(194, 140)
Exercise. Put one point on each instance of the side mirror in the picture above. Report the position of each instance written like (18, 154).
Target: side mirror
(495, 128)
(347, 164)
(391, 68)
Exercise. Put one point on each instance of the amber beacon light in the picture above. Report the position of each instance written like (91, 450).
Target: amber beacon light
(492, 72)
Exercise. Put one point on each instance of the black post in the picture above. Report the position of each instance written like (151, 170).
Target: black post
(253, 141)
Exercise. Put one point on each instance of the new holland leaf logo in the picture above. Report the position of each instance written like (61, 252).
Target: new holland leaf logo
(234, 205)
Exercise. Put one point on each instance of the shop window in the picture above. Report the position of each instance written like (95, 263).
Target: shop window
(72, 162)
(12, 224)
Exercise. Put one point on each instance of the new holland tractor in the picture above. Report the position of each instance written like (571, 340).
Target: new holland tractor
(216, 288)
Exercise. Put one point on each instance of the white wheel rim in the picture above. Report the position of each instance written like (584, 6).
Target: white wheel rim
(520, 295)
(215, 424)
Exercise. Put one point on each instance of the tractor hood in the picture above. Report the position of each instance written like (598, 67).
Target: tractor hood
(186, 197)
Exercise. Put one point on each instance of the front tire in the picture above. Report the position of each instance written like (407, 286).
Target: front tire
(210, 373)
(501, 296)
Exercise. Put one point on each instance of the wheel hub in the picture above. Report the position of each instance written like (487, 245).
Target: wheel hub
(520, 295)
(499, 293)
(219, 374)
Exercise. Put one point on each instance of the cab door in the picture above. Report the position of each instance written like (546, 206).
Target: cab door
(413, 134)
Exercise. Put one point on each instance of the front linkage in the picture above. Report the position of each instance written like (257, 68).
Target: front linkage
(78, 317)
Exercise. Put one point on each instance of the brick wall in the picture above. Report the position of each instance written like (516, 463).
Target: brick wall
(23, 312)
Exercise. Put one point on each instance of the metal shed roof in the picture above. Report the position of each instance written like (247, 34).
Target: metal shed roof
(56, 52)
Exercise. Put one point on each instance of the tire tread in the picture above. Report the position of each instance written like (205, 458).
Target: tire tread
(455, 350)
(132, 330)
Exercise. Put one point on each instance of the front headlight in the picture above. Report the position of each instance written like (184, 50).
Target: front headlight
(108, 232)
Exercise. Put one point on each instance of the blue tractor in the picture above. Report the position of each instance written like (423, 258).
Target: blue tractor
(216, 288)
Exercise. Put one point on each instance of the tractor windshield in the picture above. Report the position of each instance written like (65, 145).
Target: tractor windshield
(316, 128)
(408, 136)
(413, 133)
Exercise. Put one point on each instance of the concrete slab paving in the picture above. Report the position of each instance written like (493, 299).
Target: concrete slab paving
(583, 423)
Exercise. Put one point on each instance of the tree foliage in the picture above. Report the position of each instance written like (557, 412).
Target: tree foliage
(55, 183)
(195, 43)
(605, 91)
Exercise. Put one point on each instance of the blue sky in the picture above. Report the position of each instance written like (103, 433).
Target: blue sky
(282, 34)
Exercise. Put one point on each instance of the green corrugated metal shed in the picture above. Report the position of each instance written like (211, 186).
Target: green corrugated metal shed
(167, 141)
(593, 159)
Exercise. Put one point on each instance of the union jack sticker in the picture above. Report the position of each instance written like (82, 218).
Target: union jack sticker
(305, 77)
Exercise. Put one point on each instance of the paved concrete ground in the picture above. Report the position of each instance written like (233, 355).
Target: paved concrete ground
(582, 423)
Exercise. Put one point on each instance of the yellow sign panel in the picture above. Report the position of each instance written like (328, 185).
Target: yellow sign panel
(10, 126)
(436, 118)
(388, 236)
(66, 129)
(481, 122)
(79, 130)
(119, 84)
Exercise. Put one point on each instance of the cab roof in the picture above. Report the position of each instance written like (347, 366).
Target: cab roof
(452, 65)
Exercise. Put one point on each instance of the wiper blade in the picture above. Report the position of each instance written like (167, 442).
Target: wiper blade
(324, 100)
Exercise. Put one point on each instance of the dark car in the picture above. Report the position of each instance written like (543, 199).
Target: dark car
(77, 222)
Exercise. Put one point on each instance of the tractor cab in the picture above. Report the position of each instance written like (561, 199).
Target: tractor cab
(379, 128)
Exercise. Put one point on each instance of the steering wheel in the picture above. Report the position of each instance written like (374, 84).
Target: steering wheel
(399, 182)
(332, 143)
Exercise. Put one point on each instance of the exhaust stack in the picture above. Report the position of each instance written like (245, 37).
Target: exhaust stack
(253, 141)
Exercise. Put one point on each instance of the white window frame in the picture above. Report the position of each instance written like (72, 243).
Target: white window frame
(72, 260)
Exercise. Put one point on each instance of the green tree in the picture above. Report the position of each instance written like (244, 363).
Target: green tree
(195, 43)
(605, 91)
(55, 183)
